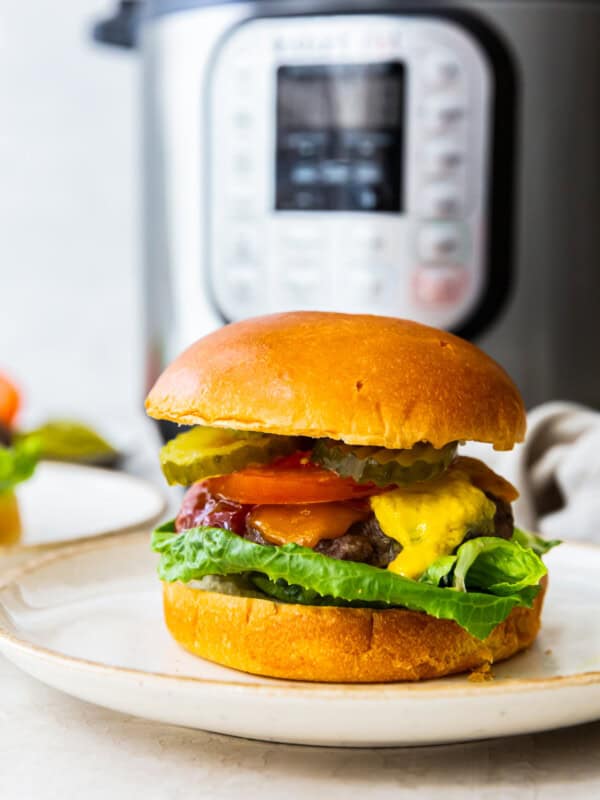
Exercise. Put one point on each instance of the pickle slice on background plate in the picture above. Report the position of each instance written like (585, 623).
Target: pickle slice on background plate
(381, 466)
(69, 440)
(204, 452)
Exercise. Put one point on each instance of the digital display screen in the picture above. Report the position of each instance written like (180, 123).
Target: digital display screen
(356, 96)
(340, 131)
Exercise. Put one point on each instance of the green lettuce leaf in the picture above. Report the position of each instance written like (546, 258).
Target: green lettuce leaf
(17, 463)
(292, 593)
(213, 551)
(496, 565)
(493, 565)
(439, 571)
(488, 564)
(533, 542)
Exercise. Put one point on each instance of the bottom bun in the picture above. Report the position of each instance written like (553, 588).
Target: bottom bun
(327, 643)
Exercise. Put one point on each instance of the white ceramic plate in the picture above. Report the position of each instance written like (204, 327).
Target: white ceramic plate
(88, 621)
(64, 502)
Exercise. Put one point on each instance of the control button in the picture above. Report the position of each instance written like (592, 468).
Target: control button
(439, 243)
(241, 70)
(366, 147)
(244, 248)
(367, 284)
(301, 236)
(305, 174)
(301, 287)
(440, 70)
(443, 113)
(366, 198)
(367, 240)
(241, 163)
(305, 199)
(441, 157)
(439, 287)
(368, 172)
(441, 200)
(365, 144)
(335, 172)
(307, 147)
(304, 145)
(242, 119)
(242, 204)
(242, 282)
(242, 76)
(301, 279)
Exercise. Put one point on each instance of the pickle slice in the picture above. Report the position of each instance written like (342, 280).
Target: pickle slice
(204, 452)
(69, 440)
(381, 466)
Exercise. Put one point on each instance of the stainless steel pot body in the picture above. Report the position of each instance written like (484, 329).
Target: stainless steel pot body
(540, 318)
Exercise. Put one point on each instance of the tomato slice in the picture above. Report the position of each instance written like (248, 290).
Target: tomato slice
(9, 400)
(293, 479)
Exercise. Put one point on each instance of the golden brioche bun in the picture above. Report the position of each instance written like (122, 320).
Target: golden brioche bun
(325, 643)
(362, 379)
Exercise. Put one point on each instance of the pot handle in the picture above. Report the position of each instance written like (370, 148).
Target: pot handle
(120, 29)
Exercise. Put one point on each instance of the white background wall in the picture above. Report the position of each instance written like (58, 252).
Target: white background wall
(69, 227)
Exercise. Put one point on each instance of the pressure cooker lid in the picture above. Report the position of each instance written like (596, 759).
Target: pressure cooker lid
(120, 29)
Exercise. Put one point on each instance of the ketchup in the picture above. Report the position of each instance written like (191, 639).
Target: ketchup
(201, 508)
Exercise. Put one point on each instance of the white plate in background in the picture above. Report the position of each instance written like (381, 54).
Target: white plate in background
(88, 621)
(64, 502)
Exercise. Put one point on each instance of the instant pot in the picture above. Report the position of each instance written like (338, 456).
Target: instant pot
(436, 160)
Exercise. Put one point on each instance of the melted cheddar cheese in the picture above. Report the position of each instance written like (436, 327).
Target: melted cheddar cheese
(306, 524)
(485, 478)
(431, 518)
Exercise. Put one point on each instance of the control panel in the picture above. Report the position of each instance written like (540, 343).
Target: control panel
(348, 161)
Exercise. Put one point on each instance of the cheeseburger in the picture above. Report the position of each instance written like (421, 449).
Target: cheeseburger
(330, 531)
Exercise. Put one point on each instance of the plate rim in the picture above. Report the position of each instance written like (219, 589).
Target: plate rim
(431, 688)
(64, 544)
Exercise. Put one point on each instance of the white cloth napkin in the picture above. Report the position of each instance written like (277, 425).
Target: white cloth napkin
(556, 470)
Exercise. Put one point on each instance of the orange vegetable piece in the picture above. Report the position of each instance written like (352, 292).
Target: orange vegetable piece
(10, 400)
(306, 524)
